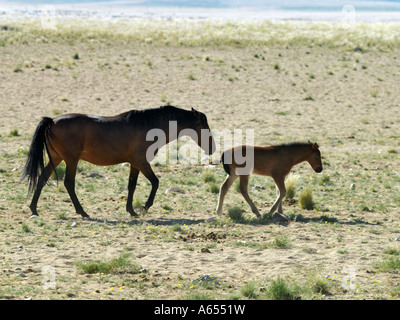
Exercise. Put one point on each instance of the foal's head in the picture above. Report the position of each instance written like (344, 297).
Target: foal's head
(314, 158)
(205, 139)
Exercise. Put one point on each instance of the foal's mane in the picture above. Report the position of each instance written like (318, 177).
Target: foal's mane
(155, 116)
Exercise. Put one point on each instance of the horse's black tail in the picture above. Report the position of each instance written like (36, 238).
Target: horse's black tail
(226, 167)
(35, 164)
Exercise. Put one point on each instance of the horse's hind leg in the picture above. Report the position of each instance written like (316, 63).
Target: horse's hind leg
(69, 183)
(133, 176)
(44, 176)
(230, 179)
(244, 181)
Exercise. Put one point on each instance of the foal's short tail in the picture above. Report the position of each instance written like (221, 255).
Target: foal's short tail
(226, 166)
(35, 164)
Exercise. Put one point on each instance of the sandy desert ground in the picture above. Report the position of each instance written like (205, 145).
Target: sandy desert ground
(343, 97)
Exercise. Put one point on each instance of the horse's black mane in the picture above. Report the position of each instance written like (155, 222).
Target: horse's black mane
(154, 116)
(293, 144)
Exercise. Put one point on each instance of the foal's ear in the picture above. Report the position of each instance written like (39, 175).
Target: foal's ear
(315, 146)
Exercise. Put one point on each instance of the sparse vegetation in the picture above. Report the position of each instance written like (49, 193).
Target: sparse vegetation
(258, 80)
(290, 186)
(236, 214)
(280, 290)
(306, 199)
(172, 32)
(122, 264)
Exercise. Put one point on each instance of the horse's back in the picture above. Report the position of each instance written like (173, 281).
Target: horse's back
(99, 140)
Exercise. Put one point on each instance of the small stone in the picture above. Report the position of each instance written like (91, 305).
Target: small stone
(352, 186)
(205, 250)
(258, 188)
(174, 190)
(95, 175)
(209, 278)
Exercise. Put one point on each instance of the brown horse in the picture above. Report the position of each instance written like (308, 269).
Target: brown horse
(108, 141)
(273, 161)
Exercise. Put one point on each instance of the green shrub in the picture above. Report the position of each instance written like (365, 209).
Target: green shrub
(280, 290)
(236, 214)
(306, 199)
(122, 264)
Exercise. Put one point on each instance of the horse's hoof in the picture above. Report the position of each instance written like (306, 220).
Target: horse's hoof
(133, 214)
(33, 216)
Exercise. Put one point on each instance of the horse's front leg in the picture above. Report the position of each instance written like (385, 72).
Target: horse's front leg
(150, 175)
(133, 176)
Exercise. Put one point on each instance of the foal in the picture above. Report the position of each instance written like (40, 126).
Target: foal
(273, 161)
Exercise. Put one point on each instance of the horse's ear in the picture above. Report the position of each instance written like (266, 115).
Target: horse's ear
(196, 113)
(315, 146)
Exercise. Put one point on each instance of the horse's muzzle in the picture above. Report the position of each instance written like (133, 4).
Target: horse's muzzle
(318, 170)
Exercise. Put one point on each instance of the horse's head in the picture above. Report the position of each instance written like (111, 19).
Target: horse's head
(205, 139)
(315, 158)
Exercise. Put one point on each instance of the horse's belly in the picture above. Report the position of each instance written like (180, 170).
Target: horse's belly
(102, 157)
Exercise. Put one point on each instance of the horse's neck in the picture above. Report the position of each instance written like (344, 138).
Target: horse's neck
(299, 155)
(175, 127)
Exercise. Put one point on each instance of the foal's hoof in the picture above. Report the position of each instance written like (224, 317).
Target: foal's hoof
(34, 216)
(280, 217)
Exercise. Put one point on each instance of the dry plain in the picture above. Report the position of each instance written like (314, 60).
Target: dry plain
(339, 93)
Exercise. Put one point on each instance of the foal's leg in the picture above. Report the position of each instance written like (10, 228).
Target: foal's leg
(44, 176)
(244, 181)
(280, 183)
(230, 179)
(133, 176)
(69, 183)
(149, 174)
